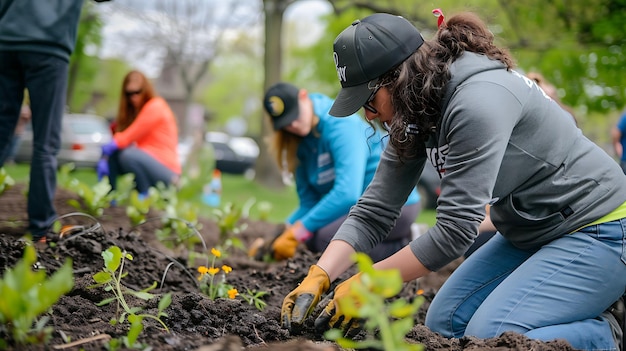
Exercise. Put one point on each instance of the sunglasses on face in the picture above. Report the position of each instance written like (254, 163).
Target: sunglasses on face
(367, 104)
(130, 93)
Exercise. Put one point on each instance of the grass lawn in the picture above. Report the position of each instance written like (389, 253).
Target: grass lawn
(236, 189)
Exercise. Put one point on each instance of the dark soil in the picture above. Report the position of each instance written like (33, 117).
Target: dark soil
(195, 322)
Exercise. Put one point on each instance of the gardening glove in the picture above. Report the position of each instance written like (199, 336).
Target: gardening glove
(302, 300)
(110, 148)
(284, 246)
(260, 248)
(333, 317)
(102, 168)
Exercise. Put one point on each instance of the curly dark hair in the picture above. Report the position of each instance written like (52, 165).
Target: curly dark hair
(417, 85)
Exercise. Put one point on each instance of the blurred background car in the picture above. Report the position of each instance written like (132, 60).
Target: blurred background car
(233, 154)
(429, 186)
(82, 136)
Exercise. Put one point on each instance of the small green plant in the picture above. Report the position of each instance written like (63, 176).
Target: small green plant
(253, 297)
(94, 198)
(6, 182)
(367, 301)
(211, 284)
(110, 277)
(26, 294)
(228, 221)
(137, 208)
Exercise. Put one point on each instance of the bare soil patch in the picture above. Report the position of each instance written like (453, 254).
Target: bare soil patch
(195, 322)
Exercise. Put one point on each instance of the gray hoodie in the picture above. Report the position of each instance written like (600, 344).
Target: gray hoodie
(42, 26)
(501, 141)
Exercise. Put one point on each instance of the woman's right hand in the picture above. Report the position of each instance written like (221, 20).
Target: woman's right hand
(299, 304)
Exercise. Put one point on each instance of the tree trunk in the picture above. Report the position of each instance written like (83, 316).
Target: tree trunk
(267, 172)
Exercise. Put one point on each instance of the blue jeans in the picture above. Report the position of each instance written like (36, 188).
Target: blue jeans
(557, 291)
(45, 77)
(147, 170)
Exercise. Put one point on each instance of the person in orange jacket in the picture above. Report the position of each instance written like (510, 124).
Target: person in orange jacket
(145, 139)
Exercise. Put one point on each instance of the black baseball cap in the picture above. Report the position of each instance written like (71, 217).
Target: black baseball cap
(281, 103)
(366, 50)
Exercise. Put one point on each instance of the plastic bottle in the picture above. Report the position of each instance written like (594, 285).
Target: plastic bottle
(212, 192)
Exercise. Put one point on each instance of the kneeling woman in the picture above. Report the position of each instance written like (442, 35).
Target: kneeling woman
(145, 138)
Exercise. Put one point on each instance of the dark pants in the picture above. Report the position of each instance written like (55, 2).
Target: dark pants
(147, 170)
(45, 77)
(399, 236)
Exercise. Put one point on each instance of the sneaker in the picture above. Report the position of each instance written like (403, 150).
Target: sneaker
(618, 311)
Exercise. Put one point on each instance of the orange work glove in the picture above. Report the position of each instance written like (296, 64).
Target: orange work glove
(284, 246)
(302, 300)
(333, 317)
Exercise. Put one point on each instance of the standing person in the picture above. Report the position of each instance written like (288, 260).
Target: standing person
(145, 140)
(618, 137)
(36, 41)
(558, 202)
(333, 160)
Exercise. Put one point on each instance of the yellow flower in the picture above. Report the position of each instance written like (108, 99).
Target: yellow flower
(227, 269)
(203, 270)
(216, 252)
(213, 270)
(232, 293)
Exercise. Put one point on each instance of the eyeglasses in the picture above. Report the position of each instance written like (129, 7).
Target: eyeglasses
(367, 105)
(130, 93)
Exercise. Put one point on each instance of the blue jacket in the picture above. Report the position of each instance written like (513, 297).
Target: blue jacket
(47, 27)
(337, 161)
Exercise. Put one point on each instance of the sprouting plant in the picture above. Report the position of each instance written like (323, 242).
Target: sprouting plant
(367, 301)
(110, 277)
(94, 198)
(6, 181)
(228, 221)
(25, 294)
(253, 297)
(211, 284)
(138, 208)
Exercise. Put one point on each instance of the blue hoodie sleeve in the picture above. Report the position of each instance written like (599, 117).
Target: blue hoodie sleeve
(350, 154)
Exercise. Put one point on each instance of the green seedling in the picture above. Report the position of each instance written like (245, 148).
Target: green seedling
(137, 209)
(26, 294)
(6, 182)
(253, 297)
(228, 220)
(94, 198)
(110, 277)
(367, 301)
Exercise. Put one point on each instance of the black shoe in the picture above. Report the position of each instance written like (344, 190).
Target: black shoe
(618, 311)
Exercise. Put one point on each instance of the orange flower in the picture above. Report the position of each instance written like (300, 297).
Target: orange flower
(232, 293)
(216, 252)
(227, 269)
(203, 270)
(213, 270)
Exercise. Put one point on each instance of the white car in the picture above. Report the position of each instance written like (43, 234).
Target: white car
(82, 137)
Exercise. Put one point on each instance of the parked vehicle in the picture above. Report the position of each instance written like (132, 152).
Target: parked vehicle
(82, 136)
(235, 155)
(429, 186)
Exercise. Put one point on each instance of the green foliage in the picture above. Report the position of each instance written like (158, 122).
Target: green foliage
(26, 294)
(228, 222)
(253, 297)
(368, 301)
(138, 208)
(6, 181)
(110, 278)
